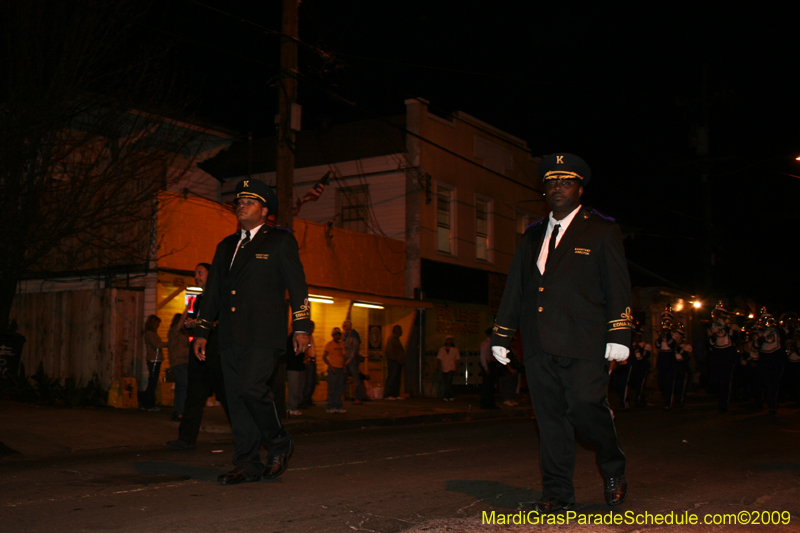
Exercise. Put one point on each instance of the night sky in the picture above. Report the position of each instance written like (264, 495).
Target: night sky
(625, 88)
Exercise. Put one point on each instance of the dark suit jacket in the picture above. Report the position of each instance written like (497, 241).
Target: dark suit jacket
(582, 301)
(249, 299)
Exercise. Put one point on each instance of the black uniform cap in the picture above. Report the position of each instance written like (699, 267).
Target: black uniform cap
(258, 190)
(563, 166)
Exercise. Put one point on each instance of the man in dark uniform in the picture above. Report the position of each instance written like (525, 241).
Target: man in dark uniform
(683, 373)
(770, 339)
(722, 339)
(569, 291)
(250, 274)
(666, 362)
(205, 377)
(640, 365)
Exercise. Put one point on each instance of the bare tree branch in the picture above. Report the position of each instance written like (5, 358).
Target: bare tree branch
(88, 136)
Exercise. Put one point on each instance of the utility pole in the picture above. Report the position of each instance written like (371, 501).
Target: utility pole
(288, 112)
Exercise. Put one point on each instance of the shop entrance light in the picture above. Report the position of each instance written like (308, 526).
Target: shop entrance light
(369, 305)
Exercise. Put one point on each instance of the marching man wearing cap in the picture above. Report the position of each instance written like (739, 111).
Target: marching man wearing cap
(245, 293)
(569, 292)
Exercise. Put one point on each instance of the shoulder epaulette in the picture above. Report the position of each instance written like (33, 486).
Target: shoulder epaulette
(284, 229)
(532, 224)
(601, 215)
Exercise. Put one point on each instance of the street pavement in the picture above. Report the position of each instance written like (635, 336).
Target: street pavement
(414, 467)
(40, 430)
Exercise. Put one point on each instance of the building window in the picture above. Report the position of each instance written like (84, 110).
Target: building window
(483, 228)
(353, 207)
(445, 204)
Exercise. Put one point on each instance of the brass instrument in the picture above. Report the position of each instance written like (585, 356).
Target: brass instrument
(719, 312)
(667, 319)
(720, 318)
(766, 320)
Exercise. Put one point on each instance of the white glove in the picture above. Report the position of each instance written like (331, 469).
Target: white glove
(616, 352)
(500, 354)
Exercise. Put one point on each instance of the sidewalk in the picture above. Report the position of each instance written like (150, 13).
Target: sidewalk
(33, 430)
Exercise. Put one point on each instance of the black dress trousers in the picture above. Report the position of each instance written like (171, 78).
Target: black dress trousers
(569, 395)
(205, 377)
(254, 418)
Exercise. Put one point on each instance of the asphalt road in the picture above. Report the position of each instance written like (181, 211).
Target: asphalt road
(440, 477)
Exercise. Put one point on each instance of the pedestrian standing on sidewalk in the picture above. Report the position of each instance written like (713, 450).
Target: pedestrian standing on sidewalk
(448, 360)
(490, 369)
(178, 340)
(335, 359)
(352, 344)
(395, 359)
(153, 344)
(311, 372)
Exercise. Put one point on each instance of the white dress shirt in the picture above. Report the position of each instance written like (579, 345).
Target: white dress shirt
(253, 232)
(564, 223)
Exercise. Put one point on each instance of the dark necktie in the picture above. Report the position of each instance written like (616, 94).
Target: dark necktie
(551, 246)
(244, 241)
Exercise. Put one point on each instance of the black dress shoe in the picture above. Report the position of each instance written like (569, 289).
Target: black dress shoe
(552, 506)
(180, 445)
(236, 476)
(616, 490)
(277, 464)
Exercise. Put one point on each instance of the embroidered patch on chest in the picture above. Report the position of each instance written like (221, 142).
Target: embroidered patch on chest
(583, 251)
(262, 256)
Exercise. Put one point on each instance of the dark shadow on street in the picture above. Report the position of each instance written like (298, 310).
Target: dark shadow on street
(177, 472)
(500, 495)
(494, 493)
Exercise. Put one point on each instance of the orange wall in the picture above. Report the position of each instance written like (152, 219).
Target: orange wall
(189, 230)
(350, 260)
